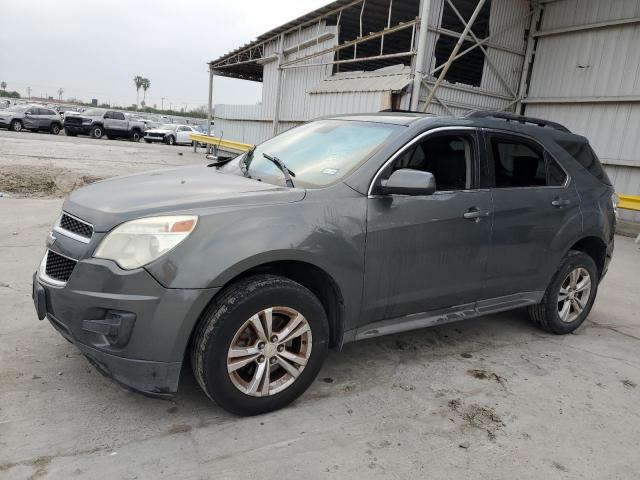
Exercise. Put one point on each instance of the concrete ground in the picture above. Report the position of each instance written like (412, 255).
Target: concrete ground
(487, 398)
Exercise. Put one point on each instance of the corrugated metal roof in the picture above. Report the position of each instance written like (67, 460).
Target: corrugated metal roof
(392, 78)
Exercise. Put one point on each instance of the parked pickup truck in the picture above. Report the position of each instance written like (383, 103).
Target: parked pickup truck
(98, 123)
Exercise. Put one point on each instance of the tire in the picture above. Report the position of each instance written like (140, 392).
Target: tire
(16, 126)
(96, 132)
(222, 324)
(170, 140)
(55, 129)
(547, 314)
(69, 133)
(135, 136)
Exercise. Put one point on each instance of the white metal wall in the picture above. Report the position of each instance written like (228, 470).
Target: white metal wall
(589, 80)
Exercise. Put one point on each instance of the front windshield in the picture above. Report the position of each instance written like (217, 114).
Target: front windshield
(94, 112)
(17, 108)
(168, 126)
(319, 153)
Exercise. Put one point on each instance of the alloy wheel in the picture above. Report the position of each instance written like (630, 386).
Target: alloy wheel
(574, 294)
(269, 351)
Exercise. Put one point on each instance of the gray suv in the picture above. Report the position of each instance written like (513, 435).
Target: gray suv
(30, 117)
(342, 229)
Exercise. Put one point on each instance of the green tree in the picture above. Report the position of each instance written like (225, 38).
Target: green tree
(137, 80)
(146, 84)
(3, 85)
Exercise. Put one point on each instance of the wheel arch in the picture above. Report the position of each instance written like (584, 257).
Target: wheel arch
(309, 275)
(595, 247)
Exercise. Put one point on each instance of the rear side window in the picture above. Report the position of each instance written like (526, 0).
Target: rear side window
(585, 156)
(519, 164)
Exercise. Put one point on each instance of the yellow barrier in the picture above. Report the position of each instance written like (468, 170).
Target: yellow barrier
(629, 202)
(221, 142)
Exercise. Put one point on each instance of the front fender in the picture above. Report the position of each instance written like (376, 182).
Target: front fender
(325, 229)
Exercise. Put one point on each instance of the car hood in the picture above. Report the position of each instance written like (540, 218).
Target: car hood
(158, 130)
(110, 202)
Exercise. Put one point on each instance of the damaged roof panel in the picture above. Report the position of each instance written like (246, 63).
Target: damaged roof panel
(393, 78)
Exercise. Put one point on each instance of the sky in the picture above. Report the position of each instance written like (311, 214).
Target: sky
(93, 49)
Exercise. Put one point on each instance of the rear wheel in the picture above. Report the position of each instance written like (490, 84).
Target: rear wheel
(55, 129)
(96, 131)
(16, 126)
(260, 344)
(570, 295)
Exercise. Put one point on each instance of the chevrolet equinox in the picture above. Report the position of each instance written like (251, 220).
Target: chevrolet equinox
(344, 228)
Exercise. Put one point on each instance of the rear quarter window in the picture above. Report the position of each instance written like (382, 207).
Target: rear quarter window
(587, 158)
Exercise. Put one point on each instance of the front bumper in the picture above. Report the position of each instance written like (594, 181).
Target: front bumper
(78, 129)
(153, 139)
(130, 327)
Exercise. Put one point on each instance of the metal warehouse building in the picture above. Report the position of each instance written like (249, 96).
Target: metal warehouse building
(576, 62)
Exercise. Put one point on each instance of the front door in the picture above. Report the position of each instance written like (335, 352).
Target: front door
(426, 253)
(536, 208)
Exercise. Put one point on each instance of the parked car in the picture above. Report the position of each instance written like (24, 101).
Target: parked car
(98, 122)
(4, 104)
(30, 117)
(171, 134)
(342, 229)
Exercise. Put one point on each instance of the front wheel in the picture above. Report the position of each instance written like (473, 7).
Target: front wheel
(170, 140)
(97, 132)
(260, 344)
(570, 295)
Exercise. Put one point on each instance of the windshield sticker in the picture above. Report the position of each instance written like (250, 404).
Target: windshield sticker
(330, 171)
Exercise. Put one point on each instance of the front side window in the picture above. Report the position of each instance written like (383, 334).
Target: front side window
(518, 164)
(319, 153)
(447, 156)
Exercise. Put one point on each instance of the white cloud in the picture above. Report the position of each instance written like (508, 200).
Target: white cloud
(93, 49)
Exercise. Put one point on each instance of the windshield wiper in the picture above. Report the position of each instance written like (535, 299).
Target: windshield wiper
(244, 163)
(283, 168)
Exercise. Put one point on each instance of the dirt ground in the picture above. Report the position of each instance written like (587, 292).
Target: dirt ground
(492, 397)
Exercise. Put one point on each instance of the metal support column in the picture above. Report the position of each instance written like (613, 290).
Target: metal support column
(454, 52)
(276, 111)
(210, 105)
(421, 61)
(528, 59)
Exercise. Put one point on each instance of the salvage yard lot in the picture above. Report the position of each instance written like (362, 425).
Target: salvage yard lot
(487, 398)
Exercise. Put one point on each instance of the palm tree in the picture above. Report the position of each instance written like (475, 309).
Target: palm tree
(146, 83)
(3, 85)
(138, 82)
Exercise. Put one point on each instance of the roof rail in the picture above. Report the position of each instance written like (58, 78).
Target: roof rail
(511, 117)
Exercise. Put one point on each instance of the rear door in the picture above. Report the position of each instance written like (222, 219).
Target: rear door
(535, 210)
(428, 252)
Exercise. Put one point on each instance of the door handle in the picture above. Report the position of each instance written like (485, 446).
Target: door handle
(476, 214)
(559, 203)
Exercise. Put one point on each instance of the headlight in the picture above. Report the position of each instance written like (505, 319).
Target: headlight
(138, 242)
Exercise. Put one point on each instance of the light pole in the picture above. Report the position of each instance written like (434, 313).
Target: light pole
(162, 104)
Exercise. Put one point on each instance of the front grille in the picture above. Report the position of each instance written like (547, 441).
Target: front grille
(73, 225)
(158, 135)
(59, 267)
(72, 120)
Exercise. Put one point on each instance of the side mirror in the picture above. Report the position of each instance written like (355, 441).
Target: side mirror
(407, 181)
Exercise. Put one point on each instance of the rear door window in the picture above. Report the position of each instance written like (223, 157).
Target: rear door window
(518, 163)
(587, 158)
